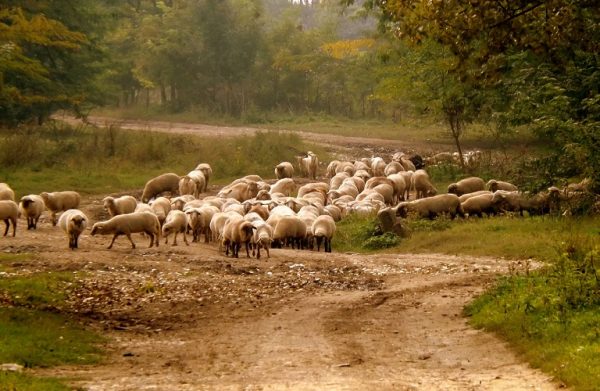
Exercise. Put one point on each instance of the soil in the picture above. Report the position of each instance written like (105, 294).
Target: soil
(190, 318)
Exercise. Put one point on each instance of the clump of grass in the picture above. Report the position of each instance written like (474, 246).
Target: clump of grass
(23, 382)
(39, 290)
(361, 233)
(552, 316)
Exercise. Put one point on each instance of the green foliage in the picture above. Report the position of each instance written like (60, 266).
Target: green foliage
(40, 339)
(360, 234)
(22, 382)
(551, 316)
(39, 290)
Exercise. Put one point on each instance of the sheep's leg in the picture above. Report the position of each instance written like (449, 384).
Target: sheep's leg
(133, 244)
(319, 240)
(247, 252)
(166, 239)
(148, 233)
(14, 227)
(54, 219)
(7, 226)
(175, 239)
(267, 250)
(185, 239)
(206, 234)
(113, 241)
(258, 246)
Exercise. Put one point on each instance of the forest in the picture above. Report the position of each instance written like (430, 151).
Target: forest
(509, 65)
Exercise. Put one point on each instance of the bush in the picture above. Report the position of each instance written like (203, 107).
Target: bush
(386, 240)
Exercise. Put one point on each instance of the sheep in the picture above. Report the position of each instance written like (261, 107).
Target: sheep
(285, 186)
(337, 179)
(333, 211)
(32, 206)
(432, 206)
(407, 175)
(240, 191)
(141, 207)
(356, 181)
(479, 204)
(362, 174)
(387, 191)
(284, 170)
(207, 171)
(442, 157)
(493, 185)
(393, 168)
(9, 212)
(421, 184)
(378, 166)
(119, 206)
(371, 195)
(262, 238)
(467, 185)
(407, 164)
(179, 202)
(399, 186)
(128, 224)
(73, 222)
(161, 207)
(165, 182)
(331, 168)
(60, 201)
(217, 224)
(236, 233)
(465, 197)
(346, 167)
(261, 210)
(290, 229)
(193, 183)
(6, 193)
(322, 230)
(175, 222)
(199, 221)
(308, 164)
(319, 187)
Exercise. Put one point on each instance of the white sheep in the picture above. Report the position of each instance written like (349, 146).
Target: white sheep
(32, 206)
(176, 222)
(378, 166)
(289, 229)
(236, 233)
(60, 201)
(262, 238)
(479, 204)
(467, 185)
(421, 184)
(285, 186)
(308, 164)
(162, 183)
(284, 170)
(494, 185)
(9, 212)
(465, 197)
(6, 193)
(128, 224)
(73, 222)
(119, 206)
(393, 168)
(331, 168)
(400, 187)
(207, 171)
(161, 207)
(432, 206)
(322, 230)
(199, 221)
(240, 191)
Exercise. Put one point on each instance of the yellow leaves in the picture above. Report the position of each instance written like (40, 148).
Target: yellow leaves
(347, 48)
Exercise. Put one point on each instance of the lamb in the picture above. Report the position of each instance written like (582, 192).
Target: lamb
(284, 170)
(290, 229)
(60, 201)
(323, 229)
(145, 222)
(494, 185)
(165, 182)
(285, 186)
(478, 205)
(199, 221)
(161, 207)
(262, 238)
(421, 183)
(432, 206)
(73, 222)
(119, 206)
(207, 171)
(9, 212)
(176, 222)
(6, 193)
(32, 207)
(236, 233)
(467, 185)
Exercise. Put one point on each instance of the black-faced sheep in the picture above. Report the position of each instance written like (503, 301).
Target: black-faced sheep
(128, 224)
(32, 206)
(431, 207)
(162, 183)
(199, 221)
(236, 233)
(175, 223)
(6, 193)
(73, 222)
(289, 229)
(262, 238)
(60, 201)
(9, 212)
(322, 230)
(119, 206)
(467, 185)
(421, 183)
(494, 185)
(284, 170)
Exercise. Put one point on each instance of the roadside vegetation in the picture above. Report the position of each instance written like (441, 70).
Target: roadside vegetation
(33, 333)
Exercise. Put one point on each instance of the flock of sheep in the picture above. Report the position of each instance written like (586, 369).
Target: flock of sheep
(255, 215)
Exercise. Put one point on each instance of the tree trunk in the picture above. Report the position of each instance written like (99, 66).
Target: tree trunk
(456, 130)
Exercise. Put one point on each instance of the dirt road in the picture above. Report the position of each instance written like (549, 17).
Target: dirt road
(189, 318)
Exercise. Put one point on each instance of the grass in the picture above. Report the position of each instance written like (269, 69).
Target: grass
(32, 334)
(99, 161)
(551, 317)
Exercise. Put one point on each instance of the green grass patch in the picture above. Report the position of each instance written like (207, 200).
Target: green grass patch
(361, 234)
(23, 382)
(552, 317)
(38, 290)
(105, 160)
(8, 261)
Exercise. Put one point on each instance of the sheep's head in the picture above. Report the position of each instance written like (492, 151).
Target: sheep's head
(107, 202)
(26, 201)
(453, 188)
(431, 192)
(402, 210)
(45, 196)
(78, 221)
(97, 228)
